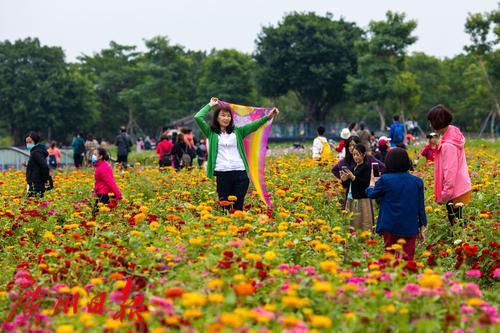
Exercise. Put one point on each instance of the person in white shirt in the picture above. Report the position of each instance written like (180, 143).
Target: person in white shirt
(318, 144)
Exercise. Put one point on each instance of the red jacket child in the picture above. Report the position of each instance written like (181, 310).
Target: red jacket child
(105, 180)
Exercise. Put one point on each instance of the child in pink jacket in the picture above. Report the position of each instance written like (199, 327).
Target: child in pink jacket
(104, 178)
(452, 183)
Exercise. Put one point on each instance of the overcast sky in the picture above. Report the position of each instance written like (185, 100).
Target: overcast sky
(87, 26)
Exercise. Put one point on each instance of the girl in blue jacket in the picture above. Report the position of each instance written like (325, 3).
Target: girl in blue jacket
(402, 210)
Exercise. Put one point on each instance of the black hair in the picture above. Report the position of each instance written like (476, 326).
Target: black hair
(321, 130)
(352, 126)
(180, 138)
(361, 148)
(401, 145)
(215, 126)
(104, 153)
(348, 155)
(361, 126)
(53, 144)
(439, 117)
(34, 136)
(90, 137)
(163, 137)
(395, 117)
(397, 160)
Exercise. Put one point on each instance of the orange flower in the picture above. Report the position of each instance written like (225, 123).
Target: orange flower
(225, 203)
(174, 292)
(244, 289)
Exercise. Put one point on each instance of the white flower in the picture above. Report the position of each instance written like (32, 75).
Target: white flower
(459, 204)
(457, 242)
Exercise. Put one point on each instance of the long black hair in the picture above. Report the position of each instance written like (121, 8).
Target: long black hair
(215, 126)
(348, 156)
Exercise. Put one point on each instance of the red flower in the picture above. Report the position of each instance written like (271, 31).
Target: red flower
(355, 264)
(174, 292)
(411, 266)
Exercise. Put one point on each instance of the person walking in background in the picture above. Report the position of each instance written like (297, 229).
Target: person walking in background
(201, 152)
(123, 147)
(164, 151)
(352, 129)
(429, 150)
(382, 149)
(401, 201)
(358, 180)
(365, 136)
(452, 184)
(147, 143)
(181, 154)
(139, 145)
(341, 147)
(104, 180)
(396, 132)
(226, 156)
(37, 170)
(91, 144)
(54, 156)
(78, 146)
(321, 148)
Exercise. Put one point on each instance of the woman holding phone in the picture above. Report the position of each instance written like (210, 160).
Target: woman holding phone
(358, 180)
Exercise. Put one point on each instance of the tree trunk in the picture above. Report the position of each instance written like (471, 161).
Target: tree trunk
(381, 114)
(14, 132)
(490, 86)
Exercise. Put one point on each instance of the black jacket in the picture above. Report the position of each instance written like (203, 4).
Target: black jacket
(123, 144)
(363, 174)
(37, 170)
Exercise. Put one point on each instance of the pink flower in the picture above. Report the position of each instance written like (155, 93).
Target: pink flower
(473, 273)
(51, 212)
(165, 304)
(496, 273)
(265, 313)
(472, 290)
(412, 288)
(236, 243)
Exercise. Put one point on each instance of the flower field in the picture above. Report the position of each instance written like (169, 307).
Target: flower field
(166, 258)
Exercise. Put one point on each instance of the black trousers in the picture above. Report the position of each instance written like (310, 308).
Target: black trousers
(78, 160)
(123, 160)
(454, 212)
(102, 198)
(36, 189)
(232, 183)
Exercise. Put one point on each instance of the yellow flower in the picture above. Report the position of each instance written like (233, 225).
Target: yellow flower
(320, 321)
(193, 299)
(322, 287)
(139, 217)
(475, 301)
(388, 308)
(231, 319)
(253, 257)
(269, 255)
(232, 198)
(65, 329)
(430, 280)
(215, 298)
(196, 240)
(48, 235)
(215, 283)
(350, 315)
(153, 225)
(192, 313)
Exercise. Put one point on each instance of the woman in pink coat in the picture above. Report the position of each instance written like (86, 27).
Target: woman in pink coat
(104, 178)
(452, 183)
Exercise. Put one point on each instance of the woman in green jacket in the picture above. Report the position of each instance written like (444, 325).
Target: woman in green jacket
(226, 154)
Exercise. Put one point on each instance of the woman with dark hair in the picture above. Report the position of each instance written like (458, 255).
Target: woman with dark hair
(452, 183)
(401, 195)
(357, 181)
(348, 161)
(164, 151)
(37, 169)
(104, 179)
(226, 154)
(181, 153)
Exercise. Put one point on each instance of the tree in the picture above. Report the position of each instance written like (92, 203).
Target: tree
(478, 27)
(39, 91)
(381, 60)
(229, 75)
(310, 55)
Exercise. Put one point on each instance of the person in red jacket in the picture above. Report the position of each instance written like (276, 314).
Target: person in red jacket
(164, 151)
(104, 178)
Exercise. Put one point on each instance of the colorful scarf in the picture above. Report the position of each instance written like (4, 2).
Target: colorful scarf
(255, 144)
